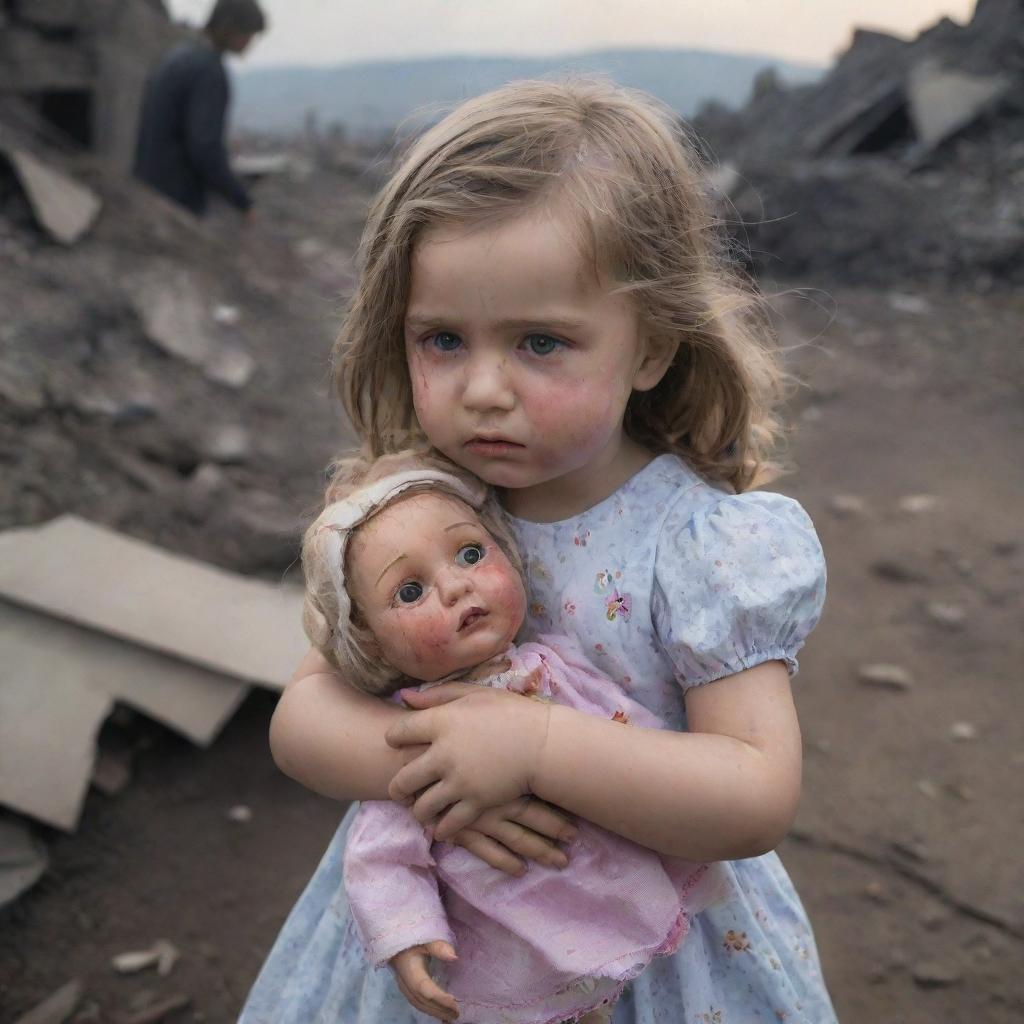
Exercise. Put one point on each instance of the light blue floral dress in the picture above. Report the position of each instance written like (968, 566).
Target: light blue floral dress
(667, 584)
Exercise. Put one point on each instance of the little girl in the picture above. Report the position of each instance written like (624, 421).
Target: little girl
(543, 296)
(411, 575)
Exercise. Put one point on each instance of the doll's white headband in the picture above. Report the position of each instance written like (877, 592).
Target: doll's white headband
(339, 519)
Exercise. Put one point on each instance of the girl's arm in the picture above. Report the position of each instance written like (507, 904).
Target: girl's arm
(330, 737)
(727, 789)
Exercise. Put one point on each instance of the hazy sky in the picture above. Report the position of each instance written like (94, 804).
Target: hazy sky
(340, 31)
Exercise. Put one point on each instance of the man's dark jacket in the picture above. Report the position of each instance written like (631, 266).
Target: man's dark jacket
(180, 149)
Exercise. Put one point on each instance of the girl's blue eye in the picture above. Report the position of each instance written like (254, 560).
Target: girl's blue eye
(469, 554)
(542, 344)
(409, 593)
(446, 341)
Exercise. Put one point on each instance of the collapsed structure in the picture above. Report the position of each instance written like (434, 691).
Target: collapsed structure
(80, 65)
(905, 161)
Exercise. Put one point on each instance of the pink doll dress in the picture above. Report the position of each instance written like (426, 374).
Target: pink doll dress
(548, 946)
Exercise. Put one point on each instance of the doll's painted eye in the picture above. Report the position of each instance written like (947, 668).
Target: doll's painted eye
(469, 554)
(409, 593)
(445, 341)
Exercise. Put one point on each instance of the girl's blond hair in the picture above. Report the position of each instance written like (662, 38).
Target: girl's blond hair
(633, 178)
(356, 654)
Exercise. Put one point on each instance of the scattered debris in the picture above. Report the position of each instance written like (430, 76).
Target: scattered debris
(66, 209)
(885, 677)
(240, 813)
(933, 974)
(876, 892)
(23, 858)
(934, 916)
(928, 788)
(55, 1009)
(952, 616)
(915, 305)
(894, 570)
(963, 732)
(226, 316)
(844, 505)
(112, 772)
(157, 1011)
(227, 444)
(162, 954)
(916, 504)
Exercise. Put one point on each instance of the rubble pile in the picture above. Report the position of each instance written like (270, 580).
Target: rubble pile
(905, 162)
(149, 360)
(81, 64)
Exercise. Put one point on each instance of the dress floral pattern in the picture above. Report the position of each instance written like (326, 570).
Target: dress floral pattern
(667, 584)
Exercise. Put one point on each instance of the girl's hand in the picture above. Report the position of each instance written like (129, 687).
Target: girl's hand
(484, 747)
(416, 984)
(525, 826)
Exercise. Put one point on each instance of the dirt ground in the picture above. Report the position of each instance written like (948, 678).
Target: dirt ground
(906, 849)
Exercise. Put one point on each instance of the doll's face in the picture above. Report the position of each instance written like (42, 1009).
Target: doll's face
(433, 586)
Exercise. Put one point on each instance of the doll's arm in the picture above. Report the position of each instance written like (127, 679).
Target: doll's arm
(391, 883)
(392, 891)
(723, 791)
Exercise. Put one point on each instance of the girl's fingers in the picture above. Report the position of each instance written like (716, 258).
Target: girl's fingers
(414, 777)
(431, 803)
(544, 820)
(437, 695)
(411, 728)
(530, 845)
(463, 814)
(489, 851)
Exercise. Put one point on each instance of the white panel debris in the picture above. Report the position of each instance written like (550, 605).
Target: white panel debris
(62, 206)
(90, 575)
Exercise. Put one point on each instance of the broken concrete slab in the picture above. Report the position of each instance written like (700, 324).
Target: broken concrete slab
(943, 101)
(180, 318)
(48, 728)
(63, 207)
(88, 574)
(59, 682)
(23, 858)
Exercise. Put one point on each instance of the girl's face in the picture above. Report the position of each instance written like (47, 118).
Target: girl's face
(522, 361)
(434, 587)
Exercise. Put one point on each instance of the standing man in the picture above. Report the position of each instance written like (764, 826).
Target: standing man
(181, 149)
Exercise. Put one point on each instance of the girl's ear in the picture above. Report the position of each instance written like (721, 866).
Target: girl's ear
(656, 357)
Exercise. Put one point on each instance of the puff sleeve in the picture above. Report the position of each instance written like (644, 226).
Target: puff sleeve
(738, 583)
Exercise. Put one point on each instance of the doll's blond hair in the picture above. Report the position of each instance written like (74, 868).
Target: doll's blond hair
(633, 179)
(350, 646)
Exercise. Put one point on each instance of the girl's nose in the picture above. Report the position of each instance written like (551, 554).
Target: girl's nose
(487, 387)
(452, 585)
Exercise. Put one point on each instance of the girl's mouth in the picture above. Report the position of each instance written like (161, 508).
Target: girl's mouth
(470, 618)
(492, 445)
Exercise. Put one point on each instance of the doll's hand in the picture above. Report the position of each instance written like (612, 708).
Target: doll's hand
(416, 984)
(484, 747)
(525, 826)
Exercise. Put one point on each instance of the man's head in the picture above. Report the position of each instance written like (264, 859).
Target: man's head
(233, 24)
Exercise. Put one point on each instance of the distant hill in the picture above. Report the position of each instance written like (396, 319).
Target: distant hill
(371, 96)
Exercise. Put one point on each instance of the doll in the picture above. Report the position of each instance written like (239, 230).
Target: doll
(412, 578)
